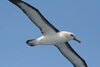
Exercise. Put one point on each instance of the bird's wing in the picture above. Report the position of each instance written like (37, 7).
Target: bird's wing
(71, 55)
(36, 17)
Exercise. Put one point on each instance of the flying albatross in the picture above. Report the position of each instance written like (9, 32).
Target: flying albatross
(51, 35)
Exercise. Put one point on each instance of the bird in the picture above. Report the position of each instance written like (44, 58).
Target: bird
(51, 35)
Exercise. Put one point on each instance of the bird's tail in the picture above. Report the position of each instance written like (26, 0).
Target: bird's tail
(31, 42)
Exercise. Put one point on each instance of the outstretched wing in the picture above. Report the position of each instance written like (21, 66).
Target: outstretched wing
(71, 55)
(36, 17)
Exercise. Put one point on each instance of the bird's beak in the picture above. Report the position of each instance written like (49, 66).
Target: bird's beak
(77, 40)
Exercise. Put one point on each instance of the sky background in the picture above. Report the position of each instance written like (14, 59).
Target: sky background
(82, 17)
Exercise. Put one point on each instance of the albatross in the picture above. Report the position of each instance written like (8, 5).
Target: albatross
(51, 35)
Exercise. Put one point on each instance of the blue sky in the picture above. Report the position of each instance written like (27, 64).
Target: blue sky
(82, 17)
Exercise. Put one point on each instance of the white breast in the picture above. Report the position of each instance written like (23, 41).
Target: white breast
(51, 39)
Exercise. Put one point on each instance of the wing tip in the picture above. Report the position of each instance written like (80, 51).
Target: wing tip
(14, 1)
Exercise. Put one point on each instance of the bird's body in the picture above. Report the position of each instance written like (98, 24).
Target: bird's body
(51, 35)
(51, 39)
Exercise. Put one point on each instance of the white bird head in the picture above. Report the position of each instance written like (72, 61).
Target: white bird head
(71, 36)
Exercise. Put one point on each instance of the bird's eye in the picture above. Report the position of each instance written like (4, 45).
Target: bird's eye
(72, 35)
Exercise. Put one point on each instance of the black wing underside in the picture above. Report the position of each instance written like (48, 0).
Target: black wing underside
(36, 17)
(71, 55)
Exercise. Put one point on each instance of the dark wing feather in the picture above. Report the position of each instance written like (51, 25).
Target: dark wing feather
(71, 55)
(36, 17)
